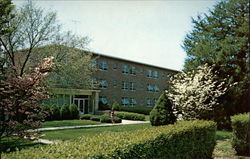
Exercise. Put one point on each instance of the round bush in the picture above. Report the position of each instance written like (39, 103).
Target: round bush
(86, 117)
(75, 114)
(162, 113)
(46, 110)
(55, 112)
(95, 118)
(65, 112)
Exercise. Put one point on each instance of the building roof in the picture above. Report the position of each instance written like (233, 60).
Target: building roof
(137, 62)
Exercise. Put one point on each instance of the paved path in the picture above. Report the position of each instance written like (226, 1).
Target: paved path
(124, 122)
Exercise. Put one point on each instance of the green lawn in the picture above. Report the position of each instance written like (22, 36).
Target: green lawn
(68, 123)
(73, 134)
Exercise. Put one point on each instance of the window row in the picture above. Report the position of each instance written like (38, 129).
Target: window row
(151, 73)
(125, 101)
(128, 85)
(152, 88)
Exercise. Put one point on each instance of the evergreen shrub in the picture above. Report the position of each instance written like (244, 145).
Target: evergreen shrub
(241, 133)
(186, 139)
(162, 113)
(55, 112)
(86, 117)
(46, 110)
(74, 112)
(95, 118)
(65, 112)
(107, 119)
(130, 116)
(142, 110)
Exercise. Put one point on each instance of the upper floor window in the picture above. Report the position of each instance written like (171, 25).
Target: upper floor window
(103, 65)
(125, 101)
(156, 88)
(150, 87)
(149, 73)
(153, 88)
(115, 66)
(125, 85)
(155, 74)
(133, 70)
(133, 102)
(149, 102)
(103, 84)
(124, 68)
(132, 85)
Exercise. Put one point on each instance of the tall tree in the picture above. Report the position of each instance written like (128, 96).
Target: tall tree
(221, 38)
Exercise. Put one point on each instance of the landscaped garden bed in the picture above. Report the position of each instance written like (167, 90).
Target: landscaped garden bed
(188, 139)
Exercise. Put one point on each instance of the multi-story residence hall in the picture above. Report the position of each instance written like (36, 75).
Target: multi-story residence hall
(130, 83)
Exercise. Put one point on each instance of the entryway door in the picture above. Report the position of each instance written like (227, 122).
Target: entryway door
(82, 105)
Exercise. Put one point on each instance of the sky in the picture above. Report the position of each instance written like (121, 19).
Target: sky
(147, 31)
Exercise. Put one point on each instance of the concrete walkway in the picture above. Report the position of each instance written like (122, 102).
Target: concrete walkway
(124, 122)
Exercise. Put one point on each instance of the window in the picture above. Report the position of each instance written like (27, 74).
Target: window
(156, 88)
(125, 101)
(114, 83)
(124, 68)
(132, 86)
(115, 66)
(149, 102)
(133, 102)
(133, 70)
(103, 100)
(103, 84)
(150, 87)
(125, 85)
(94, 80)
(149, 73)
(103, 65)
(155, 74)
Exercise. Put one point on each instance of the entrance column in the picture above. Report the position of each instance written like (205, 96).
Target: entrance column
(96, 106)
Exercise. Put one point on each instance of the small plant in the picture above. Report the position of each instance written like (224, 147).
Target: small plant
(65, 112)
(162, 113)
(74, 112)
(86, 117)
(95, 118)
(55, 112)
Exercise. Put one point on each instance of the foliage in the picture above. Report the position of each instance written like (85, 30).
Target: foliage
(74, 112)
(107, 119)
(20, 101)
(65, 112)
(130, 116)
(142, 110)
(188, 139)
(115, 106)
(55, 112)
(45, 108)
(241, 133)
(60, 123)
(86, 116)
(221, 38)
(103, 106)
(195, 94)
(95, 118)
(162, 113)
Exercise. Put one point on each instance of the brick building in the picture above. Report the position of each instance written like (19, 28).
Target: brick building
(130, 83)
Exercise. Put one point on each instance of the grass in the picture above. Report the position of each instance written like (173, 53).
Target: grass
(15, 143)
(73, 134)
(68, 123)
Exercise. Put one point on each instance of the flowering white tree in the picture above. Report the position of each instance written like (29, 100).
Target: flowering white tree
(195, 94)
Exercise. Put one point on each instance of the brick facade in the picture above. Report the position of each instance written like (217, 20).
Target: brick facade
(128, 82)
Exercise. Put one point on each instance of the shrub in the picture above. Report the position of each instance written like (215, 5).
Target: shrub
(187, 139)
(103, 106)
(130, 116)
(55, 112)
(162, 113)
(86, 116)
(95, 118)
(144, 110)
(74, 112)
(115, 106)
(241, 133)
(107, 119)
(46, 110)
(65, 112)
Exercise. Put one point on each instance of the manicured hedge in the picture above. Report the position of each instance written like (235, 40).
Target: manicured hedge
(107, 119)
(241, 133)
(145, 110)
(184, 140)
(130, 116)
(86, 116)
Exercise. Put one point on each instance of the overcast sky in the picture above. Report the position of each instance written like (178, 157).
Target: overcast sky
(144, 30)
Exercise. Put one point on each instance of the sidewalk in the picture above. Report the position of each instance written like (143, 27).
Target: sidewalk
(124, 122)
